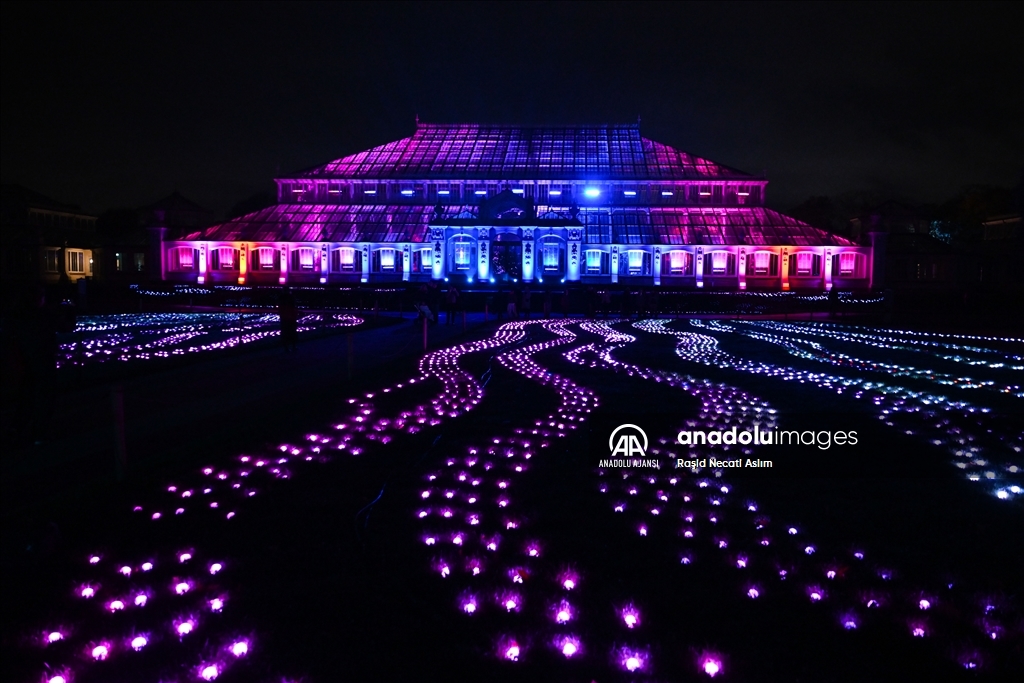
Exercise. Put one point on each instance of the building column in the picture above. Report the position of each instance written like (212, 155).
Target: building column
(614, 263)
(826, 268)
(529, 250)
(243, 262)
(283, 277)
(364, 265)
(406, 262)
(741, 268)
(483, 254)
(698, 267)
(204, 250)
(656, 266)
(784, 265)
(325, 267)
(437, 268)
(574, 248)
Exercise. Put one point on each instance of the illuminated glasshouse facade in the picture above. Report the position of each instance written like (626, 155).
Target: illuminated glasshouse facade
(496, 204)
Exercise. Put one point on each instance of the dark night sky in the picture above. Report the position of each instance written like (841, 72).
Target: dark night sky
(117, 105)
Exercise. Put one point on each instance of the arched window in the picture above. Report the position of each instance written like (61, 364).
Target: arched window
(719, 263)
(462, 256)
(224, 258)
(183, 259)
(763, 264)
(266, 258)
(636, 262)
(304, 258)
(551, 255)
(848, 264)
(805, 264)
(597, 262)
(385, 261)
(422, 260)
(343, 259)
(677, 262)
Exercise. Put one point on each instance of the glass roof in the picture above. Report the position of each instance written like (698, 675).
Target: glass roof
(391, 223)
(472, 151)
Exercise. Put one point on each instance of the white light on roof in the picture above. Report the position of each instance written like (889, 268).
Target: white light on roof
(743, 194)
(478, 192)
(518, 191)
(629, 193)
(445, 192)
(407, 193)
(369, 191)
(555, 193)
(705, 194)
(592, 192)
(667, 193)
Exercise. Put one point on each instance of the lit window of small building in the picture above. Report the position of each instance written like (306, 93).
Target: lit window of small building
(76, 261)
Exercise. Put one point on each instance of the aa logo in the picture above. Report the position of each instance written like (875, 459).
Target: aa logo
(628, 441)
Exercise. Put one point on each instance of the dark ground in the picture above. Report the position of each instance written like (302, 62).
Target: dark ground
(331, 594)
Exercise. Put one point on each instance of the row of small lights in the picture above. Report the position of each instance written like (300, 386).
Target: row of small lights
(892, 402)
(888, 339)
(794, 342)
(176, 336)
(713, 491)
(459, 393)
(463, 522)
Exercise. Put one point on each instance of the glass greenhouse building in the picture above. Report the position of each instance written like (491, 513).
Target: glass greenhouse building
(495, 203)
